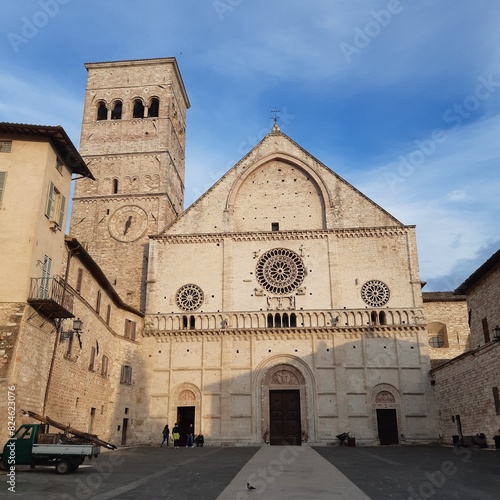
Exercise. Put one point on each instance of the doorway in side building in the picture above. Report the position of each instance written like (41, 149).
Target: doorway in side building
(284, 418)
(185, 417)
(387, 424)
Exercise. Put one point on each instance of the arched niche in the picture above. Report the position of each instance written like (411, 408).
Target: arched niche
(263, 195)
(386, 397)
(282, 373)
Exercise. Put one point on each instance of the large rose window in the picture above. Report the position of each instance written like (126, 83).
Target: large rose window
(280, 271)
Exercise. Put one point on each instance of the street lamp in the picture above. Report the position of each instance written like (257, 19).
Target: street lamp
(496, 332)
(77, 328)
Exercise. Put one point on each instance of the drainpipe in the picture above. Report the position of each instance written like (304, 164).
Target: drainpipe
(58, 324)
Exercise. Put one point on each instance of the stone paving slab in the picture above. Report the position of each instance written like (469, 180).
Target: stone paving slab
(292, 473)
(419, 472)
(302, 472)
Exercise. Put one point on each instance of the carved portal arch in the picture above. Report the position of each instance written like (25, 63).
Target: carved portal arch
(185, 395)
(386, 396)
(282, 373)
(285, 376)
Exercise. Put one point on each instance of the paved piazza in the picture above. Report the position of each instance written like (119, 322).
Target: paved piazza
(276, 472)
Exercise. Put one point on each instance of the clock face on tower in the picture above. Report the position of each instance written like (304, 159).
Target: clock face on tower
(128, 223)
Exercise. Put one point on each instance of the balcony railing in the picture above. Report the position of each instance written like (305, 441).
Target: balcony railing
(51, 298)
(341, 318)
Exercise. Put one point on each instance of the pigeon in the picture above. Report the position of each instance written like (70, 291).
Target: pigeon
(250, 487)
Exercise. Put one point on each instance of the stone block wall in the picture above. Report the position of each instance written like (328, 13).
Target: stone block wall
(85, 391)
(483, 300)
(27, 341)
(224, 374)
(446, 317)
(464, 387)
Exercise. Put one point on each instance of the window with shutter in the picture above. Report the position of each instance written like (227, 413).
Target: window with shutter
(55, 207)
(3, 178)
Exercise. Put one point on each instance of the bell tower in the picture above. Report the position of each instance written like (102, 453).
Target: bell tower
(133, 140)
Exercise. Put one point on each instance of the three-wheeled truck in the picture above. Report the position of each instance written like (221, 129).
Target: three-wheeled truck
(33, 444)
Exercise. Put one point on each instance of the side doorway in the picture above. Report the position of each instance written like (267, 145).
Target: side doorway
(185, 417)
(387, 425)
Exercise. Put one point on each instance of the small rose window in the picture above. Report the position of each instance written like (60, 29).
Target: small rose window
(375, 293)
(189, 297)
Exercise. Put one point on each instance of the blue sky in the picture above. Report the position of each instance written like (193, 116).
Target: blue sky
(399, 97)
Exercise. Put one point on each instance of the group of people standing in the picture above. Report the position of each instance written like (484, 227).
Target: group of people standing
(176, 436)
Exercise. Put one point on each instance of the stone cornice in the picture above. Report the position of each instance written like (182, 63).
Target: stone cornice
(122, 197)
(371, 232)
(300, 333)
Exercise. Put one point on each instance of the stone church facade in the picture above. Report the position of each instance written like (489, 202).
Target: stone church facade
(283, 306)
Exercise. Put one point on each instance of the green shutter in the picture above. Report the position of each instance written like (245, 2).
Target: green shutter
(49, 209)
(3, 177)
(62, 206)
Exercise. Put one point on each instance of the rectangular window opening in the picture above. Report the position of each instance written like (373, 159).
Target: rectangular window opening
(5, 146)
(55, 206)
(3, 178)
(496, 398)
(92, 359)
(79, 280)
(98, 302)
(104, 366)
(126, 375)
(486, 330)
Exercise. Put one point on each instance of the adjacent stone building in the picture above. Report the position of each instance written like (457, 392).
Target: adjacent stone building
(448, 333)
(36, 167)
(82, 377)
(467, 387)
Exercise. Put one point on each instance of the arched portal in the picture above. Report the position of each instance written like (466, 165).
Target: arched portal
(185, 410)
(386, 413)
(284, 413)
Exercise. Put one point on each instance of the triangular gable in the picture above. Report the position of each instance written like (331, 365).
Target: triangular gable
(223, 206)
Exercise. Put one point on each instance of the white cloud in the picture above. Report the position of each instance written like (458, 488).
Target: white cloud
(262, 54)
(37, 99)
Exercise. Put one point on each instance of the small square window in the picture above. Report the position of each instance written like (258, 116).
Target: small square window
(5, 146)
(275, 226)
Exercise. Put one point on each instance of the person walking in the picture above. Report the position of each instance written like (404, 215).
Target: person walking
(166, 435)
(189, 436)
(176, 435)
